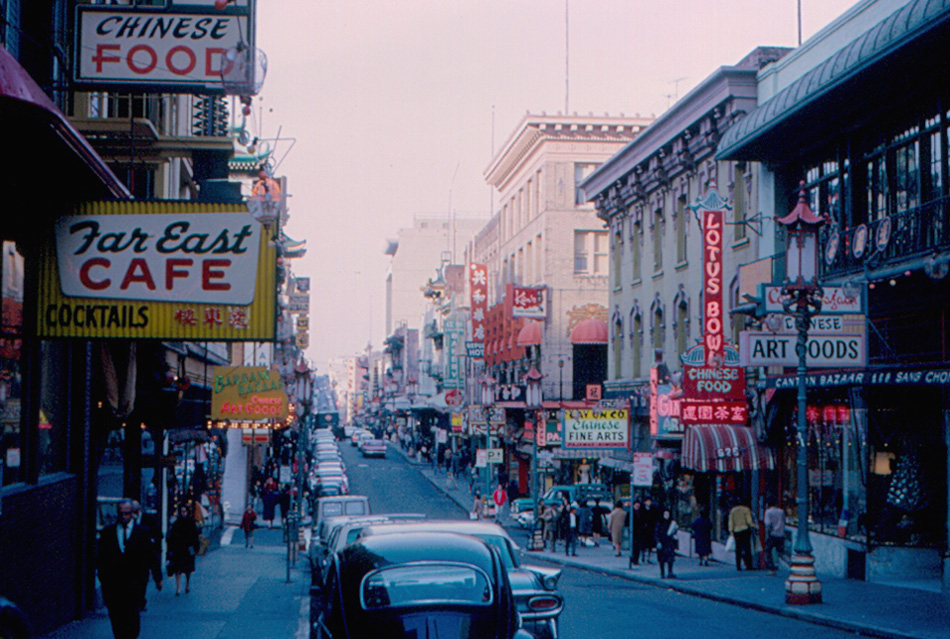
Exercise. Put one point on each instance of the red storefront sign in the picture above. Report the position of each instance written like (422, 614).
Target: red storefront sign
(478, 285)
(713, 412)
(713, 382)
(529, 302)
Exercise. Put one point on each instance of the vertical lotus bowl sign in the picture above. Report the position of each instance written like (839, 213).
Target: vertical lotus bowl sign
(165, 270)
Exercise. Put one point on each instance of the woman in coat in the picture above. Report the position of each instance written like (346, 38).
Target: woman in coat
(182, 547)
(666, 543)
(616, 521)
(702, 537)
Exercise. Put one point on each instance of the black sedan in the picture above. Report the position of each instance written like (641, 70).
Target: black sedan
(534, 588)
(416, 585)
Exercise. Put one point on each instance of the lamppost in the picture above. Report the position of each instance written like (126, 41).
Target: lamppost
(533, 401)
(304, 393)
(412, 387)
(802, 300)
(488, 398)
(560, 379)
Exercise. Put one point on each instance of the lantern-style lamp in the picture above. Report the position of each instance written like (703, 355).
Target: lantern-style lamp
(801, 244)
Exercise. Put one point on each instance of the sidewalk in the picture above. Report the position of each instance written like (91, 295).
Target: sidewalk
(857, 606)
(236, 593)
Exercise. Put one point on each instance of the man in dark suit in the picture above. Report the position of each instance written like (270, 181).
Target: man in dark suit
(125, 557)
(152, 526)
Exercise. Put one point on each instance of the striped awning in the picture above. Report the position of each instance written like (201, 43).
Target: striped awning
(724, 448)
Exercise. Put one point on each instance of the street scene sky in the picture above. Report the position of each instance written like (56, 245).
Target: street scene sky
(380, 112)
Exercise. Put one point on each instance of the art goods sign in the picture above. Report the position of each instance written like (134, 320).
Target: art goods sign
(157, 50)
(160, 270)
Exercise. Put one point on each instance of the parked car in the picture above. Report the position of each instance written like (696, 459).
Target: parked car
(522, 511)
(578, 493)
(373, 448)
(534, 588)
(344, 531)
(348, 505)
(416, 585)
(355, 438)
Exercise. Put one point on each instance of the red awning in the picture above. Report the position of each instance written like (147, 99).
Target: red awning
(530, 334)
(23, 102)
(724, 448)
(590, 331)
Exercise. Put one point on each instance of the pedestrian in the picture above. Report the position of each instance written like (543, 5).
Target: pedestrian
(447, 460)
(125, 556)
(547, 517)
(248, 520)
(500, 497)
(270, 504)
(648, 530)
(598, 520)
(774, 521)
(615, 523)
(741, 527)
(153, 528)
(478, 506)
(702, 536)
(636, 533)
(666, 543)
(585, 526)
(570, 538)
(283, 501)
(561, 520)
(183, 546)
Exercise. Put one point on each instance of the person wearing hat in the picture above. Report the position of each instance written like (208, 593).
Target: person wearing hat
(570, 540)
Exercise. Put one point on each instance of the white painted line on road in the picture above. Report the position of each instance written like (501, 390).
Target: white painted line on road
(303, 621)
(227, 535)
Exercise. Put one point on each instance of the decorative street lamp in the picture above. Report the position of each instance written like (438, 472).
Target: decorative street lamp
(488, 398)
(533, 401)
(801, 298)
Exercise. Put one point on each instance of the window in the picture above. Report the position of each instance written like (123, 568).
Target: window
(581, 171)
(537, 195)
(657, 241)
(618, 349)
(739, 204)
(658, 329)
(11, 333)
(682, 328)
(636, 235)
(616, 269)
(538, 259)
(636, 341)
(590, 252)
(682, 223)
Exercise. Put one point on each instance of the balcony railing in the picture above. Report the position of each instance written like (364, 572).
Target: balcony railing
(914, 233)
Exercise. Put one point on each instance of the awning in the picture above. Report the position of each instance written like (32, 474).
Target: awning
(57, 154)
(590, 331)
(724, 448)
(616, 464)
(530, 334)
(757, 135)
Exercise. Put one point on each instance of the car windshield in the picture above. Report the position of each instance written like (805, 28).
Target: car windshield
(332, 509)
(500, 544)
(425, 583)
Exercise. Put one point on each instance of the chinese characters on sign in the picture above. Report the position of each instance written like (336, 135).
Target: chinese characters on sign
(529, 302)
(478, 284)
(694, 411)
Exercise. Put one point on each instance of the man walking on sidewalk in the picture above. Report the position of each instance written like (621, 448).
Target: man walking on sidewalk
(774, 520)
(741, 527)
(124, 557)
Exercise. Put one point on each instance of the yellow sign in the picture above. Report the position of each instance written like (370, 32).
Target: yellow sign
(302, 340)
(248, 393)
(303, 322)
(190, 271)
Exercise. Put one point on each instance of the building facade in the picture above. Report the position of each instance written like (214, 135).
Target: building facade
(854, 116)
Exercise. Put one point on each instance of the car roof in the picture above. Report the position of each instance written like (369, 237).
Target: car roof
(458, 526)
(369, 553)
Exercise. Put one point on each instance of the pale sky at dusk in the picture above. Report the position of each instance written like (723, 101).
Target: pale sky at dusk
(386, 99)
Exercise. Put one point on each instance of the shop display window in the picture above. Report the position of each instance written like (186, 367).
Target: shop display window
(11, 333)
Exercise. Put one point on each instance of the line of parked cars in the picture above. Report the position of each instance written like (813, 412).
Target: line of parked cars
(368, 444)
(328, 475)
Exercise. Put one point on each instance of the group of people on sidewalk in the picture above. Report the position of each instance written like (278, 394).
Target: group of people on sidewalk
(129, 553)
(655, 529)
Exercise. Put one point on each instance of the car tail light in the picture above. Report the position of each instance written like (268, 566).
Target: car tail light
(538, 604)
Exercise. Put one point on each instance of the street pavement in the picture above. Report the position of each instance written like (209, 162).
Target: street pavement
(240, 592)
(236, 593)
(869, 609)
